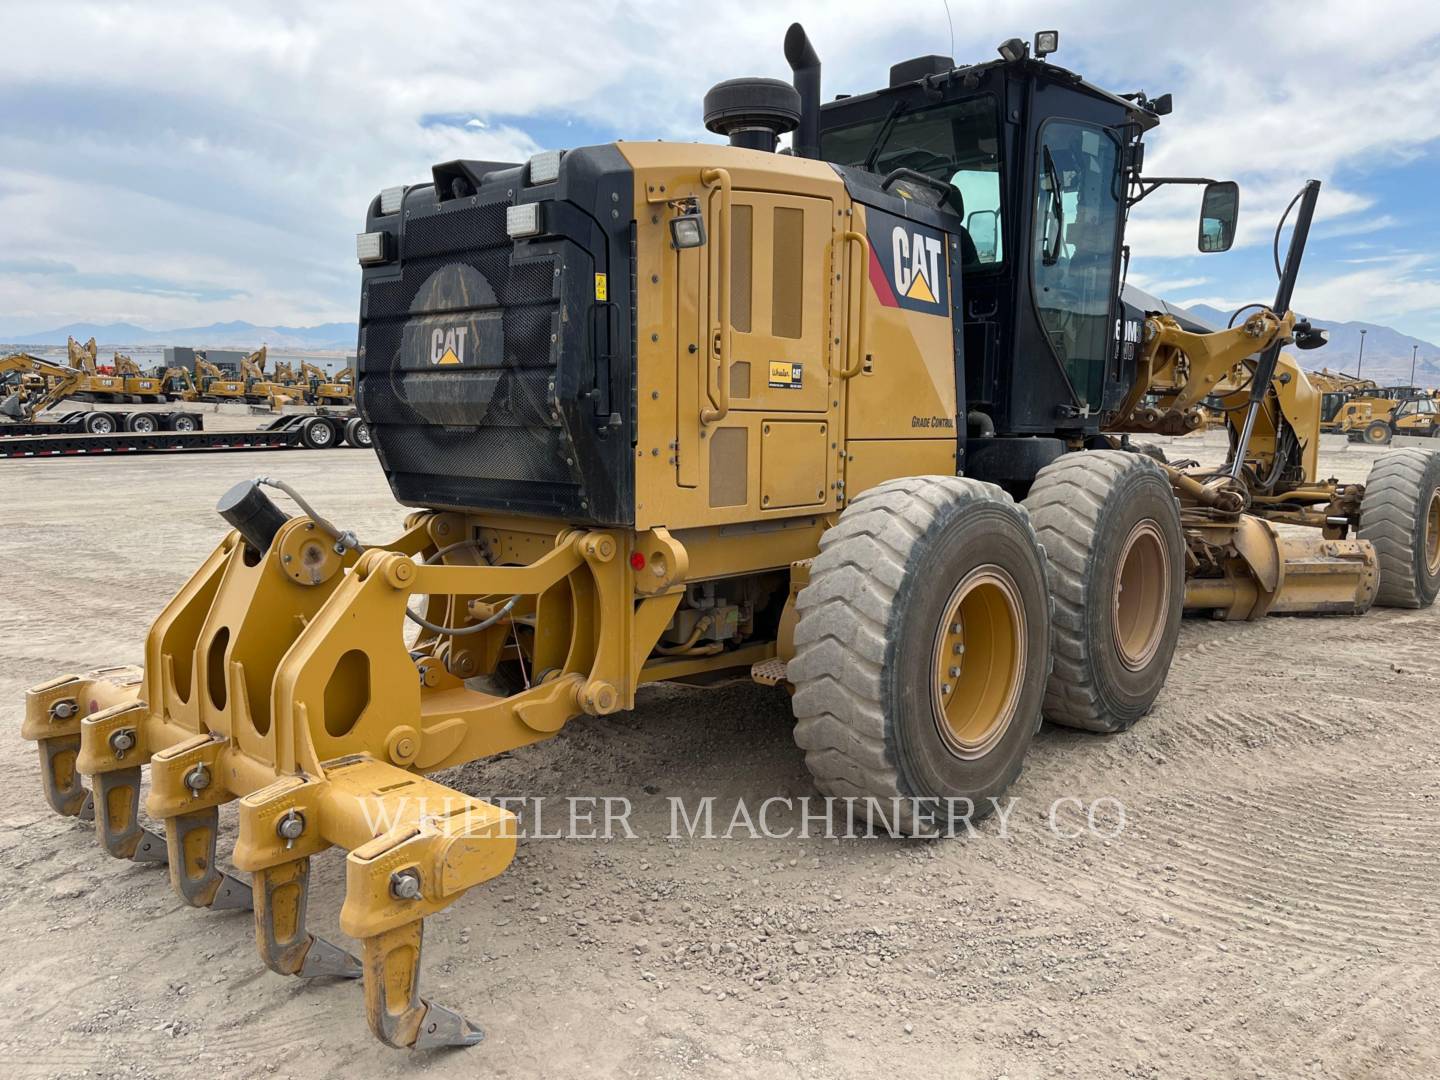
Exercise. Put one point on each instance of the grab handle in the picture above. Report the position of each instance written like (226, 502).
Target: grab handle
(856, 321)
(720, 331)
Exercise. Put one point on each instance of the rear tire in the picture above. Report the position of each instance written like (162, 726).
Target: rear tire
(99, 423)
(1400, 515)
(357, 433)
(885, 706)
(1378, 433)
(1111, 528)
(184, 422)
(142, 423)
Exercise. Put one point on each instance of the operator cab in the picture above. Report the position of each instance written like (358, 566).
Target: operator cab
(1044, 167)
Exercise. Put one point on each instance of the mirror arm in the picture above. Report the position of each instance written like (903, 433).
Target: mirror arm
(1154, 182)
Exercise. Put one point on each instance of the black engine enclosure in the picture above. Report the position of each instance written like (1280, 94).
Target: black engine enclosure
(498, 374)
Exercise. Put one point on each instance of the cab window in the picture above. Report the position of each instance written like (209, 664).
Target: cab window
(1076, 218)
(957, 142)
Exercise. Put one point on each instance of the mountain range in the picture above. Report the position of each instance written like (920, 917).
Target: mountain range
(1387, 351)
(327, 337)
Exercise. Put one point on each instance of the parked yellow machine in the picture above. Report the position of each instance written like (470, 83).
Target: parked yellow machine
(213, 384)
(668, 411)
(322, 389)
(30, 385)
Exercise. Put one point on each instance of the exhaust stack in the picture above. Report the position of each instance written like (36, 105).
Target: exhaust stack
(805, 65)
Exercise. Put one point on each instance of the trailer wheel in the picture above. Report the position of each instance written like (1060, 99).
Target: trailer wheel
(922, 647)
(183, 422)
(1111, 528)
(141, 423)
(1400, 515)
(317, 433)
(1378, 433)
(357, 433)
(99, 423)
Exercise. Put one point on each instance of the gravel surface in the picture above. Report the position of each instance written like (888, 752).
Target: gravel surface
(1263, 905)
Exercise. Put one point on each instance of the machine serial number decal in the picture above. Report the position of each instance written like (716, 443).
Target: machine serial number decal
(785, 375)
(602, 287)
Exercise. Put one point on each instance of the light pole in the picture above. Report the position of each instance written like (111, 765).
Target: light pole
(1360, 363)
(1413, 350)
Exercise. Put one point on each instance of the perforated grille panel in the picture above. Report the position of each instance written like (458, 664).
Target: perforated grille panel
(479, 428)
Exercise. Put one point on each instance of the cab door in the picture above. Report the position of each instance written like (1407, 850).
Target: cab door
(1074, 251)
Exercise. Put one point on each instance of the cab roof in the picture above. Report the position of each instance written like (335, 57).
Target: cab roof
(1028, 68)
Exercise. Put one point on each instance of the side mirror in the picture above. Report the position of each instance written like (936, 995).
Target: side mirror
(983, 227)
(1219, 210)
(1310, 337)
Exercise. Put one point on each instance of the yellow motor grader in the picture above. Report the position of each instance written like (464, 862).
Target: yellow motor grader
(855, 420)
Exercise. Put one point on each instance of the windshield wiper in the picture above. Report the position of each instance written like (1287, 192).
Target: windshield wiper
(873, 153)
(1051, 255)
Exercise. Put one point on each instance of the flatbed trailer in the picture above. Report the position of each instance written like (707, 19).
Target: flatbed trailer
(64, 439)
(106, 422)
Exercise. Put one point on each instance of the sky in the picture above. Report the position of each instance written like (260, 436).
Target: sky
(176, 164)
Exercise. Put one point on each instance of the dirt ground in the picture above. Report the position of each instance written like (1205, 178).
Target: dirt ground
(1268, 908)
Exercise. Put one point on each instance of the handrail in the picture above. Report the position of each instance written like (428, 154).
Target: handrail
(720, 334)
(856, 319)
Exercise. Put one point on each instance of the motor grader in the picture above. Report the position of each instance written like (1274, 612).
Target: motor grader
(854, 419)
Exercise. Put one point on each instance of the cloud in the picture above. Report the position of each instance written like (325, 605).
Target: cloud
(1166, 286)
(35, 264)
(200, 161)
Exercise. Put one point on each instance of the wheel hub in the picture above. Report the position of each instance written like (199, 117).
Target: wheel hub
(1141, 600)
(978, 663)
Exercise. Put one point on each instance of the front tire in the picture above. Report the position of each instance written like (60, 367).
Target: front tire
(1111, 528)
(922, 649)
(1378, 433)
(1400, 515)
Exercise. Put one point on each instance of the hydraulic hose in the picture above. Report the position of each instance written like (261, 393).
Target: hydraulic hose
(346, 539)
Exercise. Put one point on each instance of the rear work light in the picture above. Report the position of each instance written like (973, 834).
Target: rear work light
(522, 220)
(370, 248)
(391, 199)
(544, 167)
